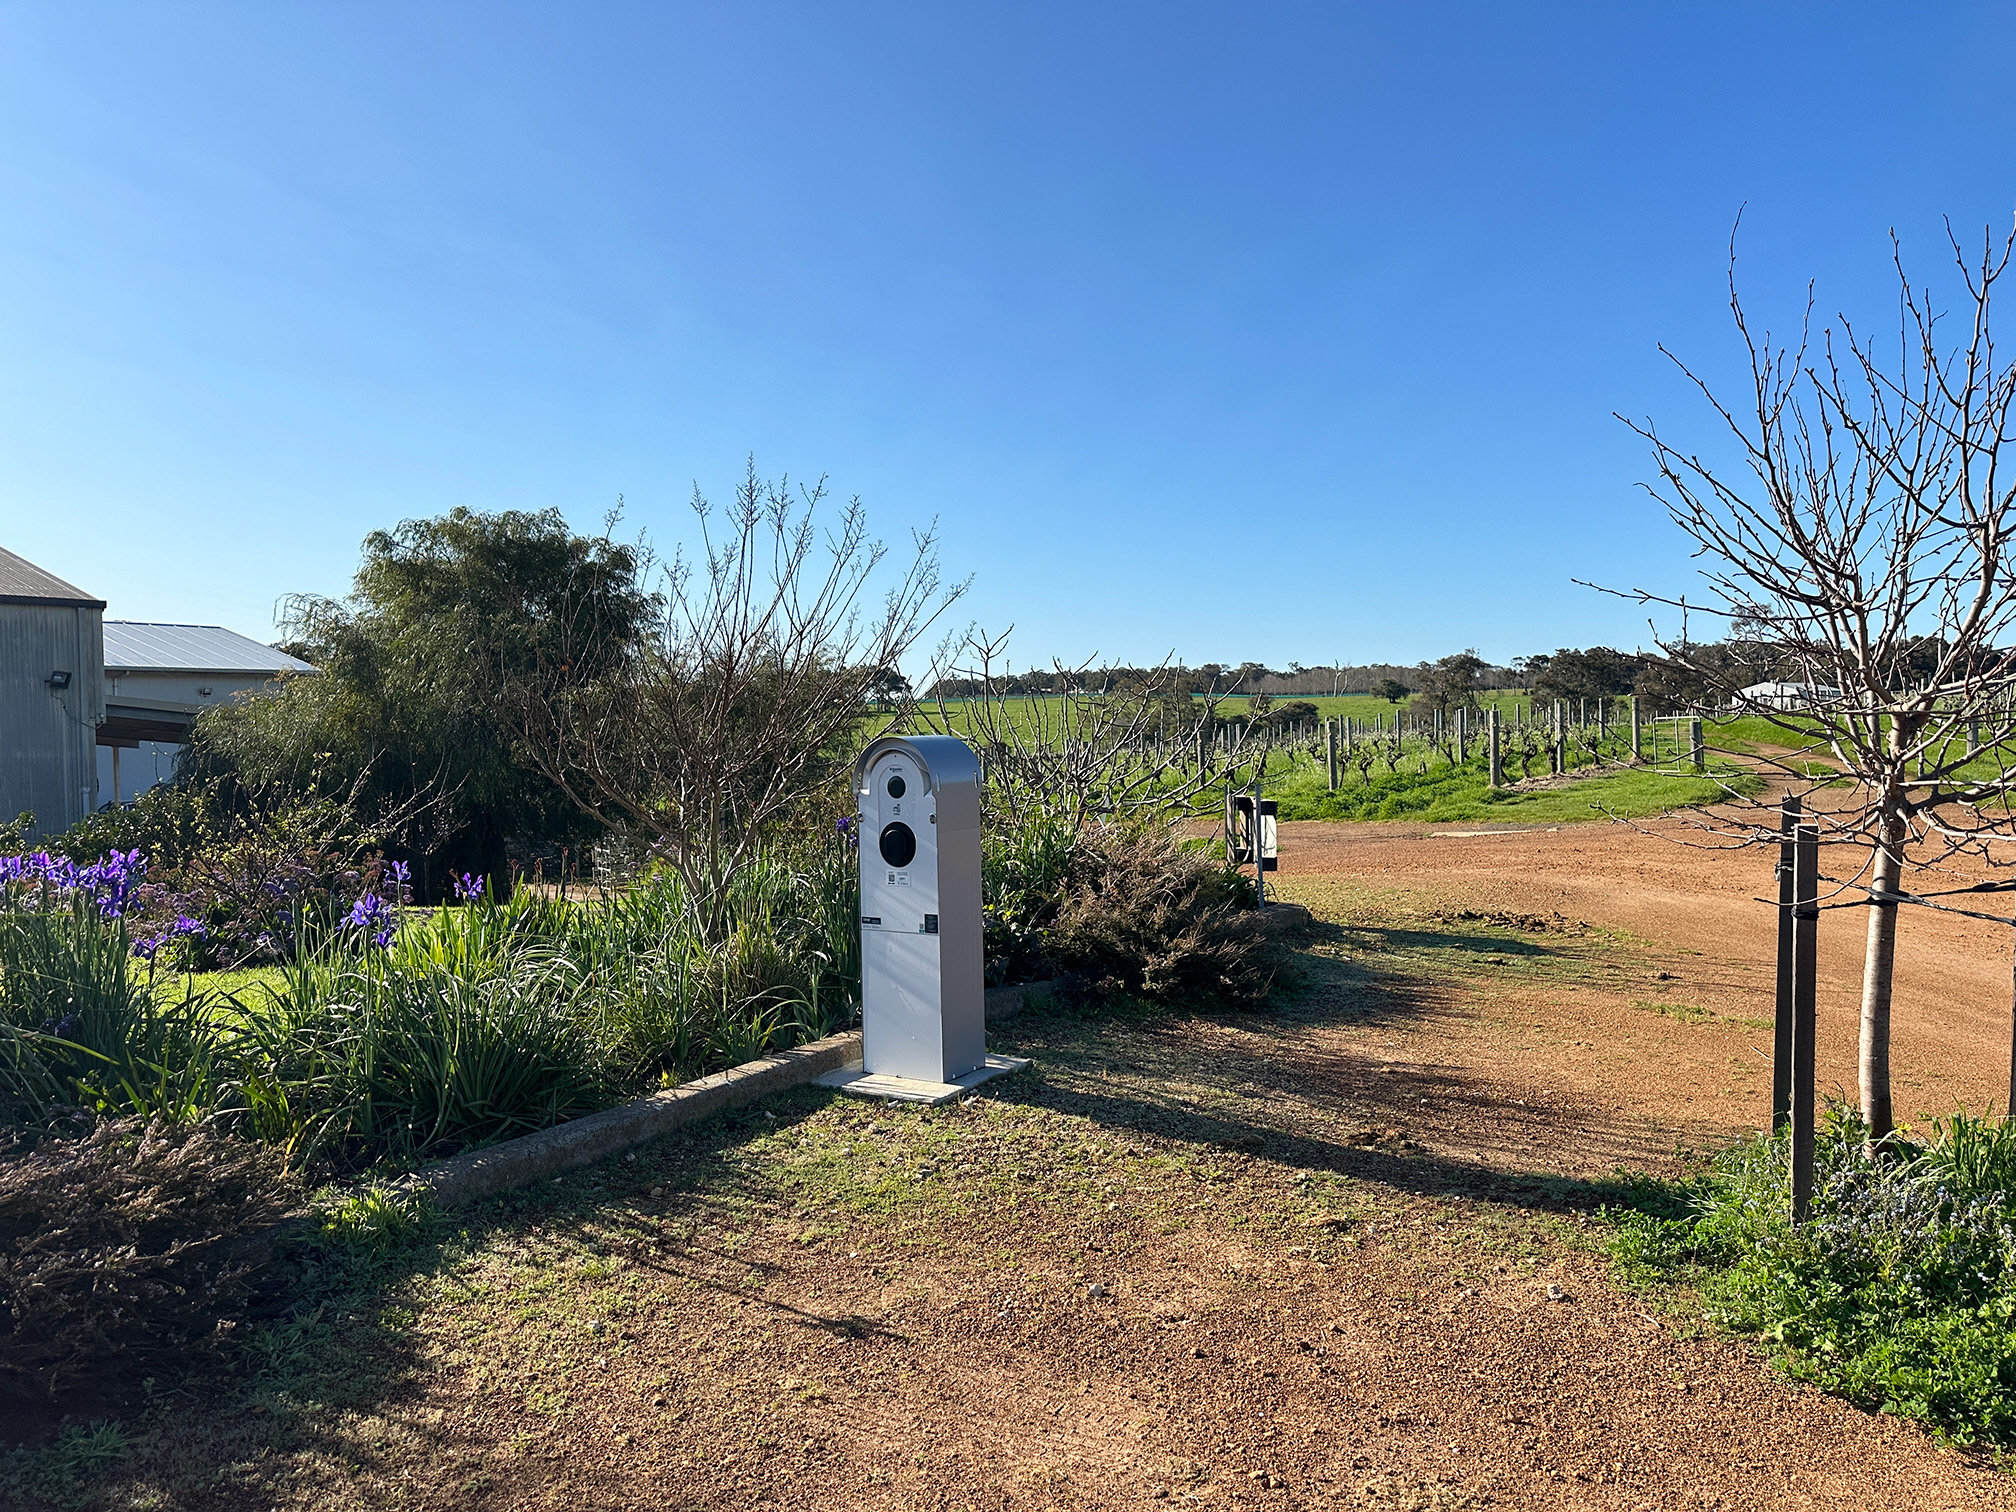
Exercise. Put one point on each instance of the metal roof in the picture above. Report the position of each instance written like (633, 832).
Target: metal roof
(22, 582)
(132, 646)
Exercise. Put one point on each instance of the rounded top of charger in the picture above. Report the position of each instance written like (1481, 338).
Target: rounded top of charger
(941, 762)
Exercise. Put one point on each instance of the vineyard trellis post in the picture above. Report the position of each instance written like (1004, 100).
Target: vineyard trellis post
(1493, 766)
(1636, 752)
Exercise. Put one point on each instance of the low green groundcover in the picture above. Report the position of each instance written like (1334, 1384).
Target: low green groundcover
(1899, 1293)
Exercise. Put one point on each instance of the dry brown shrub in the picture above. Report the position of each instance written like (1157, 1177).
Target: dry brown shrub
(130, 1250)
(1145, 916)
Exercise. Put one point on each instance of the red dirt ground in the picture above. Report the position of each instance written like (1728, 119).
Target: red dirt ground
(1953, 976)
(1323, 1238)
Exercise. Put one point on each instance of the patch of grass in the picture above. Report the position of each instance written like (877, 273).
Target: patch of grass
(1687, 1013)
(1454, 795)
(253, 986)
(1900, 1292)
(68, 1472)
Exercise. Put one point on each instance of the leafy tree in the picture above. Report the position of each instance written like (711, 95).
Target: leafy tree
(1451, 683)
(889, 687)
(1598, 672)
(1391, 689)
(405, 720)
(1295, 711)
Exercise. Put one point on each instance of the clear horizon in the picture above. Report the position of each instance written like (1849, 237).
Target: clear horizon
(1282, 337)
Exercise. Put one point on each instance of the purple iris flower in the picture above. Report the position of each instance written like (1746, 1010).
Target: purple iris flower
(376, 917)
(468, 887)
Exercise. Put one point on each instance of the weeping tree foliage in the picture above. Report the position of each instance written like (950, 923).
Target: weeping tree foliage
(750, 685)
(1858, 546)
(407, 723)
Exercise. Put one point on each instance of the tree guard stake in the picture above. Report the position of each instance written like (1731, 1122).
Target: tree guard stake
(1805, 937)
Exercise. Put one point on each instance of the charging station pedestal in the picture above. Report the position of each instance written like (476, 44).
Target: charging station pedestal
(923, 967)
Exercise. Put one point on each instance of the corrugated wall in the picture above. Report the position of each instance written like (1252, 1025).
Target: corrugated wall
(49, 739)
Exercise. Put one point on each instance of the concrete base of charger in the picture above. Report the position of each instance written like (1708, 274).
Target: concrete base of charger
(852, 1079)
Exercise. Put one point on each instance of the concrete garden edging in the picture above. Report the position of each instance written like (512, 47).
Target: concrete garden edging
(585, 1140)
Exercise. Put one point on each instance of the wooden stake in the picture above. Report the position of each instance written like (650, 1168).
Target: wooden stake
(1781, 1020)
(1805, 938)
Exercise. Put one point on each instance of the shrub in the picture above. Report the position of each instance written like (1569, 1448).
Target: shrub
(1024, 870)
(1899, 1293)
(130, 1249)
(1145, 916)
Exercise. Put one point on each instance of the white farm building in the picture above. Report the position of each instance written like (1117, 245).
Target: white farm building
(1789, 695)
(92, 710)
(158, 678)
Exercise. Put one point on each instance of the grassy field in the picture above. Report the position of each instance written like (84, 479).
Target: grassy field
(1446, 795)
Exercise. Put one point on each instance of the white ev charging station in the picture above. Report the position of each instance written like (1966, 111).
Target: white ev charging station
(923, 969)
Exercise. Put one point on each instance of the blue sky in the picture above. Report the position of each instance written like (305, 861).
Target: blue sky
(1275, 332)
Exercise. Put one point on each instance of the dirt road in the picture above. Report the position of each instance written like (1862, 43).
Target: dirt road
(1952, 1011)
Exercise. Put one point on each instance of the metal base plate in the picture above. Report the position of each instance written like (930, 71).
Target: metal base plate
(852, 1079)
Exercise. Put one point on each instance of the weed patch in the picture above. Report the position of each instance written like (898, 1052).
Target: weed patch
(1900, 1292)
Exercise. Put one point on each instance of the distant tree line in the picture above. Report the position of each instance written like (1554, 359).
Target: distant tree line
(1666, 683)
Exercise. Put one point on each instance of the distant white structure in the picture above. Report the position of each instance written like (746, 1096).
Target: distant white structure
(1772, 695)
(158, 678)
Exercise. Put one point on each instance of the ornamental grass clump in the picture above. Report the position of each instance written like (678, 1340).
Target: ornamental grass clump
(1899, 1293)
(395, 1032)
(78, 1026)
(474, 1023)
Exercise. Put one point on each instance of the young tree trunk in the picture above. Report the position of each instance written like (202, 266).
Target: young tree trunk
(1878, 960)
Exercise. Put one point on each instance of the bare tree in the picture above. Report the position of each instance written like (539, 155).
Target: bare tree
(753, 686)
(1106, 746)
(1860, 560)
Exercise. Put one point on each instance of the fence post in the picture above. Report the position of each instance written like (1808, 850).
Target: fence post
(1781, 1019)
(1462, 731)
(1494, 773)
(1700, 754)
(1330, 750)
(1805, 938)
(1560, 741)
(1634, 727)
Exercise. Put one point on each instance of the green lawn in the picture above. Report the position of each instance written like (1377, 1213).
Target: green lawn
(237, 983)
